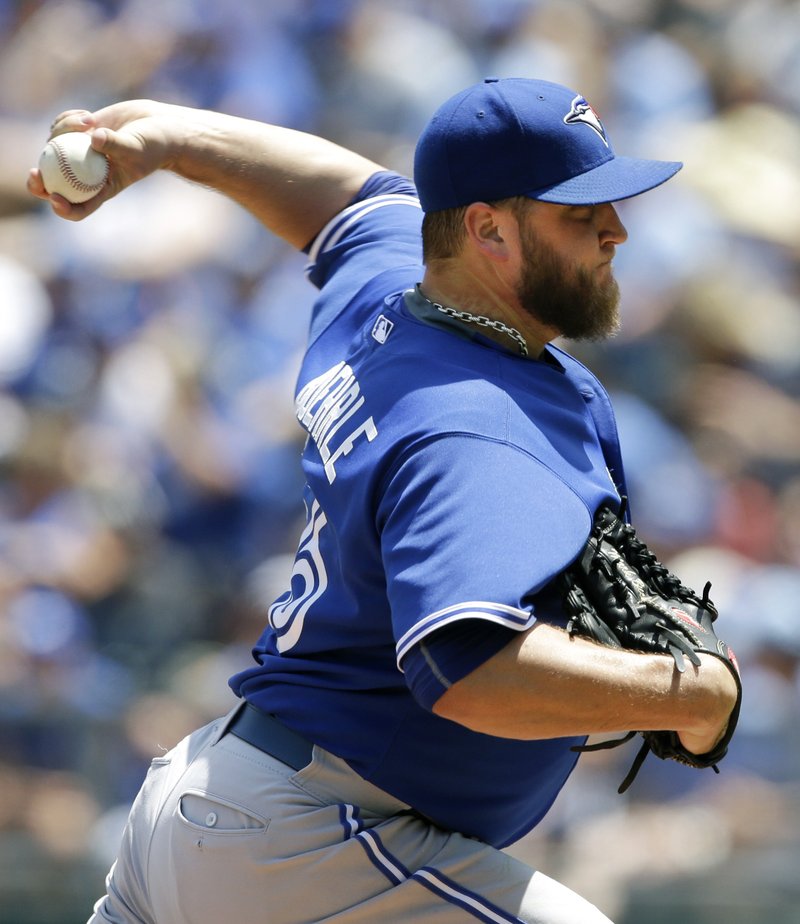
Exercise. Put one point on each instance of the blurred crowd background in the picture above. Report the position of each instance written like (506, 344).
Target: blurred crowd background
(149, 500)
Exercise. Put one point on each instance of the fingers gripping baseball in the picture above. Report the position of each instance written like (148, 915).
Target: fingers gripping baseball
(127, 139)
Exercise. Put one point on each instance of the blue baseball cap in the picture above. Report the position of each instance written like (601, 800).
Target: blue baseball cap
(519, 137)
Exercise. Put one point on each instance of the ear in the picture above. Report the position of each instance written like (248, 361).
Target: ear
(490, 230)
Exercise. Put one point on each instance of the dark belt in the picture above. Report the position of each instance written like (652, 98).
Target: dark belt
(267, 734)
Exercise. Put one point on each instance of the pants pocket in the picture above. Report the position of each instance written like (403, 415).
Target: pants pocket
(213, 815)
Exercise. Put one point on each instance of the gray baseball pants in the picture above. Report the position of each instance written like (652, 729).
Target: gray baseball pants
(223, 832)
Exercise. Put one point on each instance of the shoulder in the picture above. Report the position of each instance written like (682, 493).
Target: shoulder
(385, 213)
(430, 381)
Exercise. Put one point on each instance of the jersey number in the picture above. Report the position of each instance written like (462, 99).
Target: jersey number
(309, 581)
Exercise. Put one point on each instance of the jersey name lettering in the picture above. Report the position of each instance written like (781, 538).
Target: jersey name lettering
(324, 406)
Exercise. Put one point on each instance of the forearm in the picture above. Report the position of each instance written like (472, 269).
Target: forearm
(546, 684)
(293, 182)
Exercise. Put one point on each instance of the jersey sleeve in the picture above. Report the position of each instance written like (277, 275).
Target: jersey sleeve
(474, 528)
(374, 245)
(447, 655)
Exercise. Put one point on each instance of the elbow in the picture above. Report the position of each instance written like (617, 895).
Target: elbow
(467, 704)
(457, 705)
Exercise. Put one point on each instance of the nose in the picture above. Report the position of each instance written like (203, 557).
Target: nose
(611, 228)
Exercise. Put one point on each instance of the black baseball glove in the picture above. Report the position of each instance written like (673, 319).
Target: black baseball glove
(619, 594)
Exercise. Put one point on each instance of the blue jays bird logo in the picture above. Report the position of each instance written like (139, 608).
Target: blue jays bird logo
(581, 111)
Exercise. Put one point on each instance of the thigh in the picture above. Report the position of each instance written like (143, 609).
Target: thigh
(445, 878)
(222, 831)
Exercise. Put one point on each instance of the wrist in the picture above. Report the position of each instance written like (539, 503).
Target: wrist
(180, 136)
(717, 695)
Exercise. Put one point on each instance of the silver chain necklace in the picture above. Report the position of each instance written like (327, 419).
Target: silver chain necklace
(481, 321)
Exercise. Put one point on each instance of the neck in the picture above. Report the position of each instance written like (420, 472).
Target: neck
(481, 321)
(459, 291)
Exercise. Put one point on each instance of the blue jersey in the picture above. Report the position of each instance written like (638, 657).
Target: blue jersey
(449, 481)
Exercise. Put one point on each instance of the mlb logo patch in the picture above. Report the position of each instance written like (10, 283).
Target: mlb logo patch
(382, 328)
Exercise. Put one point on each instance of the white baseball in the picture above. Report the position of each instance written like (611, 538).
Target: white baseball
(72, 168)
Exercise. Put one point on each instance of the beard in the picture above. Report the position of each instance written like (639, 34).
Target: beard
(564, 296)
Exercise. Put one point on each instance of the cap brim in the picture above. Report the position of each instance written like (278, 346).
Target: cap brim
(618, 178)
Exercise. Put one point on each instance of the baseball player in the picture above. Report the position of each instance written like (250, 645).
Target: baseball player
(414, 702)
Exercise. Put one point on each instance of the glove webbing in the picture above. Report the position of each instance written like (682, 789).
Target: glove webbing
(654, 572)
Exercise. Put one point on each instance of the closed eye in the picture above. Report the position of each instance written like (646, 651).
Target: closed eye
(582, 212)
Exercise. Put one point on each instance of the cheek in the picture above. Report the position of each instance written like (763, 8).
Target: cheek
(579, 251)
(587, 249)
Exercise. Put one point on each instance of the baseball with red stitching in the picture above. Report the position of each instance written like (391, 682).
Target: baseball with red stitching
(72, 168)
